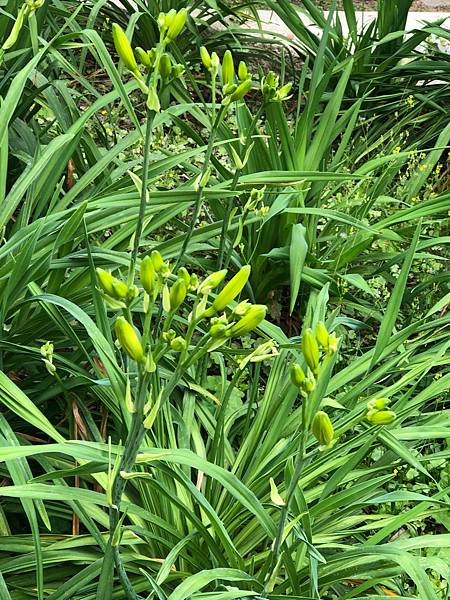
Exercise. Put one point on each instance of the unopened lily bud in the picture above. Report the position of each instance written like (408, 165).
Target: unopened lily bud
(106, 281)
(298, 376)
(215, 62)
(322, 428)
(309, 385)
(217, 330)
(227, 68)
(178, 344)
(129, 340)
(177, 294)
(381, 417)
(168, 336)
(241, 90)
(310, 351)
(153, 100)
(165, 66)
(242, 71)
(206, 57)
(249, 322)
(143, 57)
(232, 289)
(193, 282)
(212, 281)
(123, 47)
(228, 89)
(378, 403)
(167, 19)
(332, 343)
(157, 260)
(322, 334)
(177, 24)
(184, 275)
(148, 275)
(16, 28)
(120, 289)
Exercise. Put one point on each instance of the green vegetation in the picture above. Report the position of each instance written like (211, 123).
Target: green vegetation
(224, 291)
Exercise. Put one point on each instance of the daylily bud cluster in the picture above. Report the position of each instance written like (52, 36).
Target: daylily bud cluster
(116, 292)
(271, 90)
(156, 62)
(378, 412)
(233, 88)
(47, 354)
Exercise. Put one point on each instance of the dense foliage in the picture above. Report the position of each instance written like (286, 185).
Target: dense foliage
(224, 291)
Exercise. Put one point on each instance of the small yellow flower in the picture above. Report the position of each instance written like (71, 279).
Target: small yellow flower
(396, 150)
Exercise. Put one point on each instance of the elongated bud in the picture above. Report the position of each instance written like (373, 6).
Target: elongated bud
(332, 343)
(215, 62)
(183, 274)
(123, 47)
(157, 260)
(106, 281)
(242, 71)
(241, 90)
(206, 57)
(167, 18)
(227, 68)
(143, 57)
(177, 24)
(381, 417)
(310, 351)
(177, 294)
(232, 289)
(322, 429)
(322, 334)
(121, 290)
(212, 281)
(249, 322)
(16, 28)
(283, 92)
(129, 340)
(148, 275)
(165, 66)
(298, 377)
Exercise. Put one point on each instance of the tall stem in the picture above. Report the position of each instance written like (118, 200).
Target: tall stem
(143, 202)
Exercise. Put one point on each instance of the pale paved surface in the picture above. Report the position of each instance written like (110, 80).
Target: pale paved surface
(273, 22)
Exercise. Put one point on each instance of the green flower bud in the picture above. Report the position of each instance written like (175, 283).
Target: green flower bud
(217, 330)
(148, 275)
(193, 282)
(157, 260)
(227, 68)
(206, 57)
(129, 340)
(381, 417)
(169, 18)
(309, 385)
(123, 48)
(212, 281)
(168, 336)
(378, 403)
(16, 28)
(184, 275)
(298, 376)
(241, 90)
(249, 322)
(106, 281)
(322, 334)
(165, 66)
(242, 308)
(121, 291)
(177, 294)
(242, 71)
(310, 350)
(215, 62)
(177, 24)
(143, 57)
(178, 344)
(332, 343)
(232, 289)
(283, 92)
(322, 429)
(228, 89)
